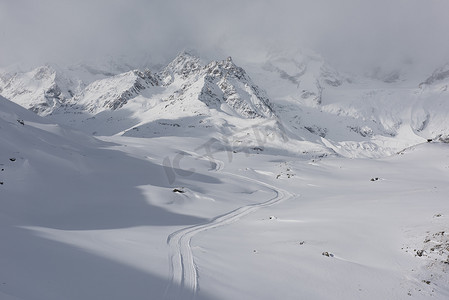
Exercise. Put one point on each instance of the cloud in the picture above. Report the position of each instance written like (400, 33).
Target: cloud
(347, 32)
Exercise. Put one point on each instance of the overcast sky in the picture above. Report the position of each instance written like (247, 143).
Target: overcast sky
(346, 32)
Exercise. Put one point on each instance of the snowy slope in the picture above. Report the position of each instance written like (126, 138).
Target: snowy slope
(344, 237)
(232, 208)
(57, 180)
(114, 92)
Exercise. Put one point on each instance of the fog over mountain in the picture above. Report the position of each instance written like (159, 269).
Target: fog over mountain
(351, 34)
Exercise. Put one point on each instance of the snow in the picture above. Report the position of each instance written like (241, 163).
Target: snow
(176, 197)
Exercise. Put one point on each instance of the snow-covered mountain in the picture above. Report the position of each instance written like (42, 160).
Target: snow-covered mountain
(219, 85)
(353, 115)
(223, 180)
(113, 92)
(46, 88)
(38, 90)
(441, 74)
(299, 94)
(299, 76)
(187, 94)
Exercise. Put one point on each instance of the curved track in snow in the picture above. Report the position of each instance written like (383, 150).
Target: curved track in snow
(183, 282)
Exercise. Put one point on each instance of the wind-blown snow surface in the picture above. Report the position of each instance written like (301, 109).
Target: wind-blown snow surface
(186, 218)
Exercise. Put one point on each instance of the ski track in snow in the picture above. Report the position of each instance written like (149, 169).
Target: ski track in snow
(216, 164)
(183, 271)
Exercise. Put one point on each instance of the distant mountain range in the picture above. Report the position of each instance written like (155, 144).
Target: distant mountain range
(300, 95)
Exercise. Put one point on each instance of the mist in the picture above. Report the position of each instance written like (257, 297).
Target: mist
(350, 34)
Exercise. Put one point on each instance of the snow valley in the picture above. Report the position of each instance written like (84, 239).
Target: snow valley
(275, 178)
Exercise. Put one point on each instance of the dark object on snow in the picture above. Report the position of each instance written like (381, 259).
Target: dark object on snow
(375, 179)
(1, 182)
(178, 191)
(12, 159)
(327, 254)
(21, 122)
(420, 253)
(429, 140)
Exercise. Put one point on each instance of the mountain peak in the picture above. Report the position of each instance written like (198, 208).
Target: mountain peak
(184, 64)
(439, 74)
(234, 88)
(43, 71)
(188, 53)
(226, 68)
